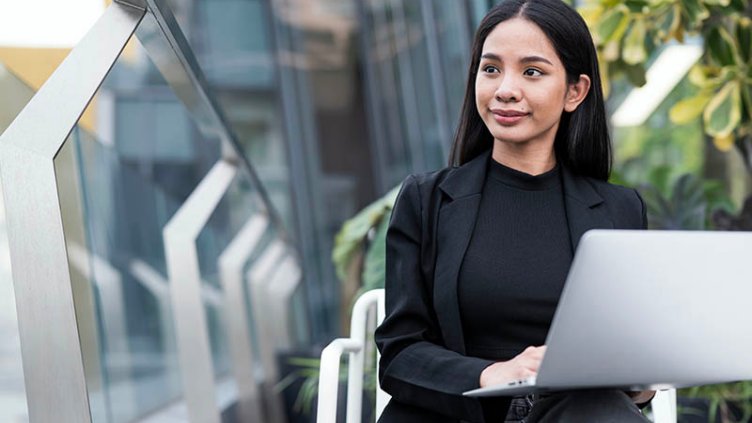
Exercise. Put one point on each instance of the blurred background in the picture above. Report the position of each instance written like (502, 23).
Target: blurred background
(330, 103)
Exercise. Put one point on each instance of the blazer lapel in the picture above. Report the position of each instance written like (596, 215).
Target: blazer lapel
(583, 206)
(463, 187)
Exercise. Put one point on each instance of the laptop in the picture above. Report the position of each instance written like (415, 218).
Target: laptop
(648, 310)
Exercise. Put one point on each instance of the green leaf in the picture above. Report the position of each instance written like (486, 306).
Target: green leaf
(660, 177)
(674, 204)
(747, 97)
(695, 11)
(603, 69)
(743, 32)
(375, 261)
(721, 3)
(738, 5)
(612, 25)
(721, 46)
(698, 75)
(635, 74)
(724, 142)
(634, 43)
(591, 13)
(723, 112)
(716, 196)
(670, 24)
(636, 6)
(354, 231)
(688, 109)
(610, 51)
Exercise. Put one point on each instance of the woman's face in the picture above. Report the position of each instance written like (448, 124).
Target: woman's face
(521, 86)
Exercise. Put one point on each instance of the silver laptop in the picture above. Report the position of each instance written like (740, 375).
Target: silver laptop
(649, 310)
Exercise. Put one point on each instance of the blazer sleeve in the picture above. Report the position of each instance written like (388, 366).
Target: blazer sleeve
(415, 367)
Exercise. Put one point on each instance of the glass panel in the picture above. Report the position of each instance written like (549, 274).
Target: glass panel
(126, 207)
(239, 204)
(454, 38)
(232, 41)
(412, 100)
(415, 53)
(387, 97)
(122, 176)
(137, 163)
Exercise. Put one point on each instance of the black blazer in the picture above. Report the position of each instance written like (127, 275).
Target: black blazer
(423, 365)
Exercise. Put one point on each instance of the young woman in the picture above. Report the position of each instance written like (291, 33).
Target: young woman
(477, 253)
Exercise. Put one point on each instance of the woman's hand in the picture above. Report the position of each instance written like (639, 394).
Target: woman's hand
(520, 367)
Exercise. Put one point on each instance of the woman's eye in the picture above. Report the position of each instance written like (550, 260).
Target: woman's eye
(532, 72)
(490, 69)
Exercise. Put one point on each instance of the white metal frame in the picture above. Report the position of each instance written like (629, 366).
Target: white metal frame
(187, 292)
(262, 270)
(277, 298)
(664, 406)
(355, 347)
(231, 264)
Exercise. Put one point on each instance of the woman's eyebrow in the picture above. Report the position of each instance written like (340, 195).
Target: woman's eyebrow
(530, 59)
(526, 59)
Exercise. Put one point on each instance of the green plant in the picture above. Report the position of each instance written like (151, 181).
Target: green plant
(626, 33)
(683, 201)
(726, 221)
(365, 231)
(308, 371)
(726, 401)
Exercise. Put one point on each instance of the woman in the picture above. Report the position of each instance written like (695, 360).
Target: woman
(477, 253)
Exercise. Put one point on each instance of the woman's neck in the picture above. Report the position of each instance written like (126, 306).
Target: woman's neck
(530, 159)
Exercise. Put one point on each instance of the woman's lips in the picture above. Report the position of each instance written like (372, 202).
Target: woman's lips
(508, 117)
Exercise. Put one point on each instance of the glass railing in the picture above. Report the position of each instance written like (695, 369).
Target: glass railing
(184, 285)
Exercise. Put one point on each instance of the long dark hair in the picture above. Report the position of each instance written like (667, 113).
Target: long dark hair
(582, 142)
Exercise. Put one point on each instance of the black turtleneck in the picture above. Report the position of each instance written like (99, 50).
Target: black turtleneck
(516, 263)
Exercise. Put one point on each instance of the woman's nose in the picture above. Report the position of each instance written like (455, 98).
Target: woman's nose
(508, 90)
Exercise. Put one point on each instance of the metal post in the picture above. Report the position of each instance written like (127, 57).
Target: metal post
(50, 344)
(187, 292)
(231, 264)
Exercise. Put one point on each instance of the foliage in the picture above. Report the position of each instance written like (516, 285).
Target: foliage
(678, 202)
(727, 401)
(627, 33)
(367, 229)
(724, 220)
(308, 371)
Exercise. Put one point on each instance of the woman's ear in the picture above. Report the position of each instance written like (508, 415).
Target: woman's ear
(576, 93)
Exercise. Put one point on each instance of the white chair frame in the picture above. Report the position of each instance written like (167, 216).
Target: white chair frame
(355, 347)
(663, 405)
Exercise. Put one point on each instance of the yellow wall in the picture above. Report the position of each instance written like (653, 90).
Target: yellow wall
(34, 65)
